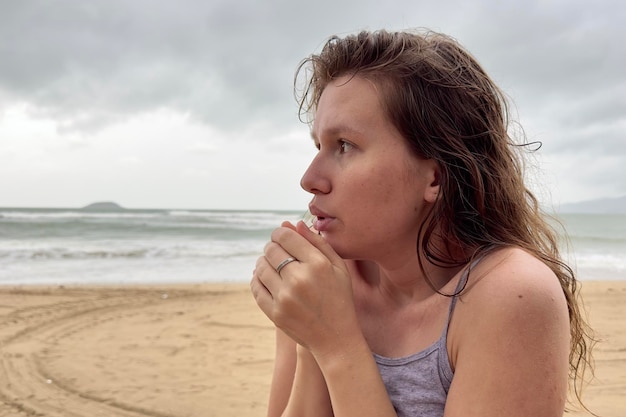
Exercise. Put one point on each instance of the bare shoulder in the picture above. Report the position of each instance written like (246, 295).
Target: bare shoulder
(508, 275)
(511, 298)
(511, 324)
(511, 288)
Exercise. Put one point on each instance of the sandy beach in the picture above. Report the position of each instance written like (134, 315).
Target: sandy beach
(191, 351)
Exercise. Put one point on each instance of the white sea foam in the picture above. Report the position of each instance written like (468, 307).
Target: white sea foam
(58, 246)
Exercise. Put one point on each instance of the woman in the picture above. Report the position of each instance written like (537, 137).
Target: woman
(430, 285)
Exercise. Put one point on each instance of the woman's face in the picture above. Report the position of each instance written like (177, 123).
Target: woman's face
(370, 193)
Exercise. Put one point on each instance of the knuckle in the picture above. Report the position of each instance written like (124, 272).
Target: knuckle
(268, 246)
(320, 263)
(280, 234)
(287, 299)
(299, 284)
(282, 299)
(272, 249)
(260, 266)
(276, 233)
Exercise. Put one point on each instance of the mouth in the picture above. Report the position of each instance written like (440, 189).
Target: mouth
(322, 221)
(317, 213)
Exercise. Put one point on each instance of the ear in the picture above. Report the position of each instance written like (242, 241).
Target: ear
(433, 178)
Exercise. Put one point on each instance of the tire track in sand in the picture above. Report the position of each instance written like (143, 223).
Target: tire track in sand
(27, 334)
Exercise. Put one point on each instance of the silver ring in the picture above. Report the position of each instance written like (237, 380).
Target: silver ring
(284, 264)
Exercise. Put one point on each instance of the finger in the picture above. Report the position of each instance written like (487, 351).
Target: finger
(286, 242)
(288, 225)
(276, 255)
(304, 244)
(261, 295)
(319, 242)
(267, 276)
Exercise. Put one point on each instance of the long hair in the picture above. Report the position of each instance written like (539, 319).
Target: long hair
(449, 110)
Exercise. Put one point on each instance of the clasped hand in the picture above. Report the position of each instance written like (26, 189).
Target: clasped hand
(311, 298)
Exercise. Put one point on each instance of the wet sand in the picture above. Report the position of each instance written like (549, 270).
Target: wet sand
(190, 351)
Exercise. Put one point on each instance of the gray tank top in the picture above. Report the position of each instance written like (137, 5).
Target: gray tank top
(418, 384)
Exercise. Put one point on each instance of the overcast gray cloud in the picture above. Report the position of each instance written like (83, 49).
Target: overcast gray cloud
(92, 65)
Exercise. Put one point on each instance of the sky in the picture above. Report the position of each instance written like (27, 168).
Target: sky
(190, 105)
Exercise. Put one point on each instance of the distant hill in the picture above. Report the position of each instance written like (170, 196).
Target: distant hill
(599, 206)
(103, 206)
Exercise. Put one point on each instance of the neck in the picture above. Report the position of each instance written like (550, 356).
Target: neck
(407, 283)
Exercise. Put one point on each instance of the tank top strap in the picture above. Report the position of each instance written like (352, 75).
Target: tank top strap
(459, 287)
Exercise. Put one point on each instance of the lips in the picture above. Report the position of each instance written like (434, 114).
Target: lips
(322, 220)
(317, 212)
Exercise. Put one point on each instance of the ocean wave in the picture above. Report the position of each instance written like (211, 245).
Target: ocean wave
(167, 252)
(238, 219)
(66, 222)
(71, 215)
(605, 261)
(600, 260)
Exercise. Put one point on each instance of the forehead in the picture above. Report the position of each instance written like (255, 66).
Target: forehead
(348, 103)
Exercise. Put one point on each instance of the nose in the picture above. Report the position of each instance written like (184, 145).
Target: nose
(316, 179)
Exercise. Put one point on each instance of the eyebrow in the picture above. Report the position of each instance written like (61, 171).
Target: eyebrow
(339, 130)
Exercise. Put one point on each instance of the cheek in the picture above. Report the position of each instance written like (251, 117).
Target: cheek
(387, 184)
(400, 183)
(384, 193)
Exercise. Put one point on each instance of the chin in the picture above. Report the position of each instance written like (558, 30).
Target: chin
(345, 252)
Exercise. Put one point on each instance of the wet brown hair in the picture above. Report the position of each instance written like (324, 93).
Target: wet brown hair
(449, 110)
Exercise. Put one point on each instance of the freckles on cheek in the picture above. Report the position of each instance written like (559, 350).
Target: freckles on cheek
(376, 197)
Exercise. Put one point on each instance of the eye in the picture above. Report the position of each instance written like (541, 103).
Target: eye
(345, 146)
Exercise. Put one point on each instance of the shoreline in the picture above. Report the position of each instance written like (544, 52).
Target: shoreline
(187, 350)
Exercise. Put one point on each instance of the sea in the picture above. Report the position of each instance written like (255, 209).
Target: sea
(57, 246)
